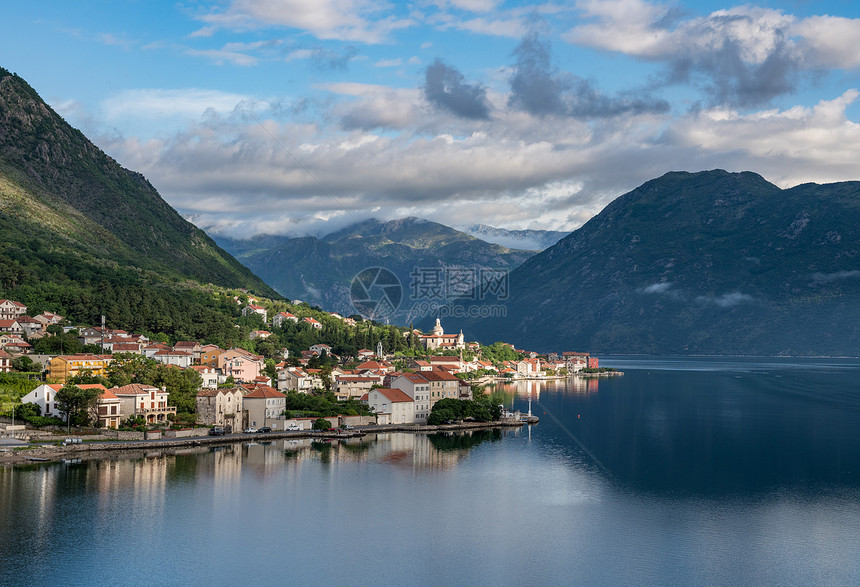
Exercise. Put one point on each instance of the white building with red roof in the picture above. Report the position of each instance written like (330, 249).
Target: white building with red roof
(173, 357)
(282, 317)
(10, 309)
(416, 386)
(255, 309)
(11, 326)
(295, 379)
(144, 400)
(48, 318)
(108, 411)
(313, 322)
(208, 375)
(391, 406)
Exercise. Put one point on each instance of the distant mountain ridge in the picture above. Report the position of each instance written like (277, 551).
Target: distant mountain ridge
(697, 263)
(532, 240)
(75, 224)
(320, 270)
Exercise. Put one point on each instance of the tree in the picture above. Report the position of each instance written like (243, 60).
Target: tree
(86, 377)
(77, 403)
(321, 424)
(25, 364)
(27, 411)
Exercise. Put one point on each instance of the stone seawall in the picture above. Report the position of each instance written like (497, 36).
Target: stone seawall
(57, 453)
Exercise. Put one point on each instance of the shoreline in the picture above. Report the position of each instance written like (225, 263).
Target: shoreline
(52, 454)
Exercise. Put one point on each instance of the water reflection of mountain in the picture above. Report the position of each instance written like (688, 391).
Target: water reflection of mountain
(713, 432)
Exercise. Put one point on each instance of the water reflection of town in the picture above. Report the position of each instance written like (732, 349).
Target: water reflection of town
(522, 389)
(148, 475)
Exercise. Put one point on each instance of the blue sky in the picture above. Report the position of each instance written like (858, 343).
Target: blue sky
(299, 116)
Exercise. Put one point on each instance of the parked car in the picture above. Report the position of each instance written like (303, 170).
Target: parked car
(217, 431)
(265, 429)
(250, 430)
(348, 427)
(293, 427)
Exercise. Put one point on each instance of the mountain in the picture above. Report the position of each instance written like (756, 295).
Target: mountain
(76, 227)
(696, 263)
(531, 240)
(321, 270)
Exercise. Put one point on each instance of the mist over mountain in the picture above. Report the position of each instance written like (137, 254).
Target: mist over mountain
(320, 270)
(530, 240)
(696, 263)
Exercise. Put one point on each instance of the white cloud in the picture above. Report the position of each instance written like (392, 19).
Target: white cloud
(160, 103)
(386, 148)
(512, 26)
(389, 63)
(346, 20)
(650, 30)
(830, 41)
(470, 5)
(220, 56)
(791, 146)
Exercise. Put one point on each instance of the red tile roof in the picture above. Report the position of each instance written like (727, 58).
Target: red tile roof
(394, 395)
(135, 389)
(264, 391)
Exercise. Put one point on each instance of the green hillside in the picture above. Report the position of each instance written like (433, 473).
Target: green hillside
(83, 236)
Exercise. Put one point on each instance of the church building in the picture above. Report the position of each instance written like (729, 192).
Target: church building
(438, 340)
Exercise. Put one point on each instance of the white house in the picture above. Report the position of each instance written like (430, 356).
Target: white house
(208, 375)
(255, 309)
(171, 357)
(416, 386)
(399, 407)
(9, 309)
(282, 317)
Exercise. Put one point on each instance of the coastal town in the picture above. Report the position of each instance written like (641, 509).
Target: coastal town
(236, 389)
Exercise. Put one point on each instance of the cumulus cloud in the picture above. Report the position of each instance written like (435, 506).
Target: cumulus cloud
(389, 152)
(743, 56)
(346, 20)
(445, 87)
(539, 88)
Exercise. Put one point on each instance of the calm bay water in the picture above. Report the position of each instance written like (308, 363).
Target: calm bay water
(725, 472)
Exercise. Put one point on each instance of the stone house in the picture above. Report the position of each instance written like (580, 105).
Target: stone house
(221, 407)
